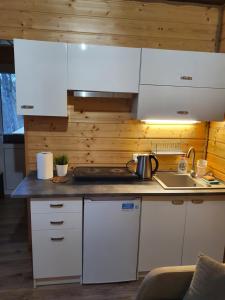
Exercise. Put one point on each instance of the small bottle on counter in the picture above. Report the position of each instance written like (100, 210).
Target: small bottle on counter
(182, 165)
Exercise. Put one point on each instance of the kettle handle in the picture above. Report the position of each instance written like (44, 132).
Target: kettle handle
(156, 163)
(128, 167)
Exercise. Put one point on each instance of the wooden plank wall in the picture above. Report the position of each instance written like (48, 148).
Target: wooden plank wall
(109, 135)
(111, 22)
(216, 149)
(222, 38)
(216, 144)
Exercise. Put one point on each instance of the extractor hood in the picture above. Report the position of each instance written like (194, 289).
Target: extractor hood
(96, 94)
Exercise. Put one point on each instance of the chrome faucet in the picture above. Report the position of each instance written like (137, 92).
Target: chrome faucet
(192, 149)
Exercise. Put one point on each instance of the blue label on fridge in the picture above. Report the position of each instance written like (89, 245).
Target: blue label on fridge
(127, 205)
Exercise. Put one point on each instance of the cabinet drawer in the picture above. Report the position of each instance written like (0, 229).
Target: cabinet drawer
(56, 221)
(57, 253)
(59, 205)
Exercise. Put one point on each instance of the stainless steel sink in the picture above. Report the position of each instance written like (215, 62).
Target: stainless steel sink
(172, 180)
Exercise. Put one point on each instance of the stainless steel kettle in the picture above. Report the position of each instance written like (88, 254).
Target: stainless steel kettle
(144, 167)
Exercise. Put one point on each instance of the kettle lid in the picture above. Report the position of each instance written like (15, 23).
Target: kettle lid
(144, 154)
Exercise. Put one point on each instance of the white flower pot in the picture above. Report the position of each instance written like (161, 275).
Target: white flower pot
(61, 170)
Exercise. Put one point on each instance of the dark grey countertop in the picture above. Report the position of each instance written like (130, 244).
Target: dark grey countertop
(31, 187)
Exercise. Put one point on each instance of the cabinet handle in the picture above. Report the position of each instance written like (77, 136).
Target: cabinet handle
(56, 205)
(177, 202)
(27, 106)
(182, 112)
(186, 77)
(197, 201)
(57, 239)
(56, 222)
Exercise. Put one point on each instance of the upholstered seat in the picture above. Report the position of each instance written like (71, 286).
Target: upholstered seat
(167, 283)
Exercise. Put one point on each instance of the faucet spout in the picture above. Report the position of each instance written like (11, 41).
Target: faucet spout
(190, 151)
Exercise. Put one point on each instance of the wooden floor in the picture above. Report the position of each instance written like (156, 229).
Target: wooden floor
(16, 266)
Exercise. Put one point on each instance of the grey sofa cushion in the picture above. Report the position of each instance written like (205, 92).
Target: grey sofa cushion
(208, 282)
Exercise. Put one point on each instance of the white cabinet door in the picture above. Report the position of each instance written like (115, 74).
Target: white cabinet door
(57, 253)
(204, 231)
(168, 102)
(41, 70)
(103, 68)
(182, 68)
(161, 235)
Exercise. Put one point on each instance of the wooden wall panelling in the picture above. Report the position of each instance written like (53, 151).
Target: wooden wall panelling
(108, 134)
(216, 149)
(222, 39)
(125, 23)
(106, 138)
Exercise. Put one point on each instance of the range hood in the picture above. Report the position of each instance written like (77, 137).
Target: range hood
(96, 94)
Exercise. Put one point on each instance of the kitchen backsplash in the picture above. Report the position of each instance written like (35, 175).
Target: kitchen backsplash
(216, 149)
(102, 132)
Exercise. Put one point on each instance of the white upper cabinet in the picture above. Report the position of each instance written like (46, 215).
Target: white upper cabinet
(103, 68)
(180, 103)
(41, 72)
(182, 68)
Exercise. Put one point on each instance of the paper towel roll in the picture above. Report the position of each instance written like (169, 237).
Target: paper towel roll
(44, 165)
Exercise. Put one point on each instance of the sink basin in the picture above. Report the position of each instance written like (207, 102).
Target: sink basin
(170, 180)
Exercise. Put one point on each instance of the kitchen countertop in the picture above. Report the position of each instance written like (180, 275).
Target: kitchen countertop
(31, 187)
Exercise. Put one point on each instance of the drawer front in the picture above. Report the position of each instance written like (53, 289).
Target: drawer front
(57, 253)
(56, 221)
(59, 205)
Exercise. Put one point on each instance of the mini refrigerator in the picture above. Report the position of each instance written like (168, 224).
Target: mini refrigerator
(110, 239)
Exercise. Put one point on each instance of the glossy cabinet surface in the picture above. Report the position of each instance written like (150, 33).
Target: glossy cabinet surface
(204, 230)
(175, 232)
(180, 103)
(161, 233)
(103, 68)
(182, 68)
(56, 238)
(41, 75)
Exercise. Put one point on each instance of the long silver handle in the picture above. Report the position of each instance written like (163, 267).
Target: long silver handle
(60, 205)
(177, 202)
(56, 222)
(197, 201)
(27, 106)
(57, 239)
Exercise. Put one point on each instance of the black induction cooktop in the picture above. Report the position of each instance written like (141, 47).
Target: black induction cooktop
(104, 174)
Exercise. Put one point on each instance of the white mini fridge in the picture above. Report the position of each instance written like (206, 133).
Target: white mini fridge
(110, 240)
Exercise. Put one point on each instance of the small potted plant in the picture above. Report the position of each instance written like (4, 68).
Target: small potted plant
(61, 163)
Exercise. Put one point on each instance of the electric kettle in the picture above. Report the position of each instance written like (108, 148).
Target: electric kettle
(144, 168)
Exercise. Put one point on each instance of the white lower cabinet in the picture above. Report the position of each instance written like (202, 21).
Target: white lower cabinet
(205, 229)
(176, 231)
(161, 233)
(56, 240)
